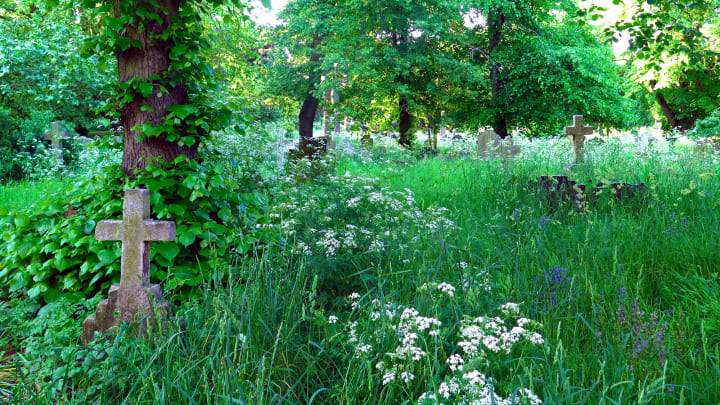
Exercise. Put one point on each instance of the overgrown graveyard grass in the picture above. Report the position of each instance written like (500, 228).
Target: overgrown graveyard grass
(24, 193)
(380, 296)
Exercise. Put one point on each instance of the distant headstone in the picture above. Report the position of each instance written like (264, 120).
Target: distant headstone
(489, 144)
(313, 147)
(577, 134)
(134, 297)
(56, 136)
(345, 146)
(366, 140)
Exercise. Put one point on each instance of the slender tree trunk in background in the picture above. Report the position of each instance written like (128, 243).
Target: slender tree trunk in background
(306, 118)
(326, 122)
(152, 59)
(405, 121)
(670, 115)
(307, 115)
(496, 20)
(672, 119)
(336, 115)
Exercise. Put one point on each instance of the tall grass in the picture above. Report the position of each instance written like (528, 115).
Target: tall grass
(624, 294)
(24, 193)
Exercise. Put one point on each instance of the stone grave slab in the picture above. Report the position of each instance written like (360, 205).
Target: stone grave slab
(563, 190)
(489, 144)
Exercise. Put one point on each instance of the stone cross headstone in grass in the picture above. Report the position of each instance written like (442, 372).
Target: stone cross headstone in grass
(577, 134)
(134, 297)
(56, 136)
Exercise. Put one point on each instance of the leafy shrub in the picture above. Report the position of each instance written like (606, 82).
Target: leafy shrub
(49, 250)
(707, 127)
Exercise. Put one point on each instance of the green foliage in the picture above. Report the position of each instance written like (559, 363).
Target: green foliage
(708, 127)
(674, 54)
(49, 251)
(44, 71)
(44, 78)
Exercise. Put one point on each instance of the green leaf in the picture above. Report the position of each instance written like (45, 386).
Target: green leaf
(168, 250)
(51, 4)
(21, 220)
(182, 111)
(186, 238)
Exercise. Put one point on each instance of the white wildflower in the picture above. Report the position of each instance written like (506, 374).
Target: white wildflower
(388, 377)
(447, 288)
(407, 376)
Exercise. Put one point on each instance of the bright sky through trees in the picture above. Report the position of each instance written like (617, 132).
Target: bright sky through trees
(264, 16)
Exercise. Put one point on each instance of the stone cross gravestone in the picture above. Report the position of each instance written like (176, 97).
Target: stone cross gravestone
(55, 136)
(134, 297)
(577, 134)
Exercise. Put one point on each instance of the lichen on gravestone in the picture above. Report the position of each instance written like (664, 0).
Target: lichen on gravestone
(134, 298)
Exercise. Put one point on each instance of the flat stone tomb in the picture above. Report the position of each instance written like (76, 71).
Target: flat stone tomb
(134, 296)
(577, 134)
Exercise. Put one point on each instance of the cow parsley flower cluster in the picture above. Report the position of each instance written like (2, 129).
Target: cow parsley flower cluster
(401, 343)
(480, 337)
(352, 215)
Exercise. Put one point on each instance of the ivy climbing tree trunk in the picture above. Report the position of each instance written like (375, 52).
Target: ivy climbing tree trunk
(148, 59)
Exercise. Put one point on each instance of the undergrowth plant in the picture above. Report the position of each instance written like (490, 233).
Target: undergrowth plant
(49, 250)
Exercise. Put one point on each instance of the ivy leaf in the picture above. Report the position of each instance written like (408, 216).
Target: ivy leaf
(21, 220)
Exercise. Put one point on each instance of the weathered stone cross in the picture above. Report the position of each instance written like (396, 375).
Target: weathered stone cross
(577, 134)
(55, 136)
(134, 295)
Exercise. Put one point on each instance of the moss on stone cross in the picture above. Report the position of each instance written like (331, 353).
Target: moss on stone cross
(134, 297)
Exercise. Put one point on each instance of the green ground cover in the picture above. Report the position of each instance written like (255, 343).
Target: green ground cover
(396, 280)
(23, 194)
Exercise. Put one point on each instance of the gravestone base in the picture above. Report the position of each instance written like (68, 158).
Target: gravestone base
(561, 190)
(366, 141)
(313, 148)
(149, 304)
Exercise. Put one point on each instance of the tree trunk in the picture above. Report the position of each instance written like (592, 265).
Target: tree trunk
(496, 20)
(336, 115)
(153, 59)
(672, 119)
(405, 121)
(307, 115)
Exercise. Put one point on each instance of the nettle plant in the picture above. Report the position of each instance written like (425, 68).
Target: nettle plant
(429, 359)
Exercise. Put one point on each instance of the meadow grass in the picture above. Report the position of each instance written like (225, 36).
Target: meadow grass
(24, 193)
(617, 302)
